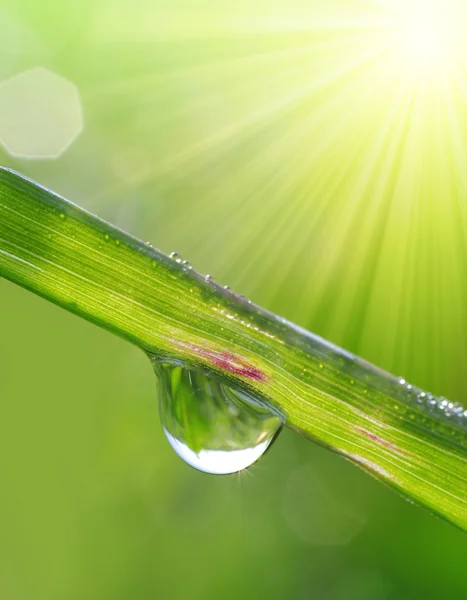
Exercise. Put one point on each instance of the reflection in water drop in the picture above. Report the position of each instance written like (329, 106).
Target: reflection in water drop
(211, 426)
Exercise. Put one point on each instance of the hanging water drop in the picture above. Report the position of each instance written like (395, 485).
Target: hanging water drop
(211, 426)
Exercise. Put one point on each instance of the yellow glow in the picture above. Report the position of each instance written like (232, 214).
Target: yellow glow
(425, 39)
(429, 32)
(328, 135)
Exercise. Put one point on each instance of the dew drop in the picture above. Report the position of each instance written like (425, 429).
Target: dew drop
(211, 426)
(176, 257)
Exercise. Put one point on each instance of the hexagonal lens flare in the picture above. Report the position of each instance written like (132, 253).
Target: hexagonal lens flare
(40, 114)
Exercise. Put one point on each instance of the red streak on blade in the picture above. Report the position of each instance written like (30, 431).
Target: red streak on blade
(378, 440)
(227, 361)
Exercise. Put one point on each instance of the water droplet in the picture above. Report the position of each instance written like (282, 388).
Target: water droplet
(186, 264)
(176, 257)
(226, 287)
(208, 278)
(211, 426)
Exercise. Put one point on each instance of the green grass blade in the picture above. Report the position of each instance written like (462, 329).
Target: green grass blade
(409, 439)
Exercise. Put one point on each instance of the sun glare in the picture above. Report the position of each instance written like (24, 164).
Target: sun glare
(424, 39)
(429, 32)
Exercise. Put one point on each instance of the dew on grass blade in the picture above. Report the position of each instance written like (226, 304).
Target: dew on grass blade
(211, 426)
(176, 257)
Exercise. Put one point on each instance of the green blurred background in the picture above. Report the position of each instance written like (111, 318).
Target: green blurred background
(312, 155)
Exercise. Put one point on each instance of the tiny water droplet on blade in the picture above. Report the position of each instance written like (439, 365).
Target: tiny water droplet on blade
(211, 426)
(176, 257)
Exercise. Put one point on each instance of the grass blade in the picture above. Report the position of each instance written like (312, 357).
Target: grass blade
(407, 438)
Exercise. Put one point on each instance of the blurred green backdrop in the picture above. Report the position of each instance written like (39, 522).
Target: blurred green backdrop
(312, 155)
